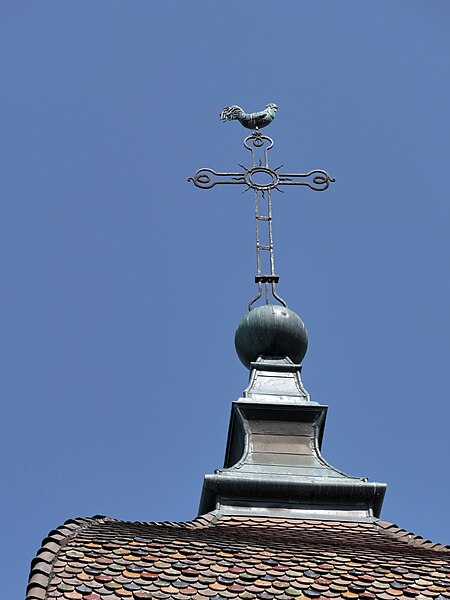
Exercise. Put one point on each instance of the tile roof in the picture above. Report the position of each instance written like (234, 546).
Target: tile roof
(217, 557)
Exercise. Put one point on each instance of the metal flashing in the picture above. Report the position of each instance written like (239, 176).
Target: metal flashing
(276, 380)
(273, 461)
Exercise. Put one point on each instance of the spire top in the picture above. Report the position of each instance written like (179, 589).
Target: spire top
(262, 179)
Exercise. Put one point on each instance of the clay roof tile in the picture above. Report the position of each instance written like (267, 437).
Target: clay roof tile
(217, 556)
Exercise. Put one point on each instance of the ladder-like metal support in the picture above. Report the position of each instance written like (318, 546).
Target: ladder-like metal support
(265, 270)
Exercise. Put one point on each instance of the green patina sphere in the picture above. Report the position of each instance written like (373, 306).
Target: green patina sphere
(271, 331)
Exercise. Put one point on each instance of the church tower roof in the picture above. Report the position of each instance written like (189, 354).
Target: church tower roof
(238, 557)
(277, 521)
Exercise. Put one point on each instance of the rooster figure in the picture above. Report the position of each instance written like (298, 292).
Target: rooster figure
(254, 120)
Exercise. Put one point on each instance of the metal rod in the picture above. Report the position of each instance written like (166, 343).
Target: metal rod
(255, 298)
(277, 297)
(269, 212)
(258, 253)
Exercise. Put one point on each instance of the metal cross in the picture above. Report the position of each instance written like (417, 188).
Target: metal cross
(262, 179)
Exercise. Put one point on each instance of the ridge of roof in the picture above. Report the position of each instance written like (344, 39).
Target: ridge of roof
(407, 537)
(213, 538)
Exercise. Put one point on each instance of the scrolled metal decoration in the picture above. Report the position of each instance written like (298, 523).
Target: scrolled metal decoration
(203, 178)
(320, 182)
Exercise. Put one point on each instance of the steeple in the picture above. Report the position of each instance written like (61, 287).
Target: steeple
(273, 463)
(277, 521)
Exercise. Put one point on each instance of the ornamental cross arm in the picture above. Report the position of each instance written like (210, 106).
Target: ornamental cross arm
(317, 179)
(259, 176)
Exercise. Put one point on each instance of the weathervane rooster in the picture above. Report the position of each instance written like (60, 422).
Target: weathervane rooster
(254, 120)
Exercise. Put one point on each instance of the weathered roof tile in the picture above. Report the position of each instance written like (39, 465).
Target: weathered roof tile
(238, 557)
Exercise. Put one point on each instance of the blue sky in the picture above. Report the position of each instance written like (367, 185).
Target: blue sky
(123, 284)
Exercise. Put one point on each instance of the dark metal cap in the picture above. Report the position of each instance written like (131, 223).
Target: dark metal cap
(271, 331)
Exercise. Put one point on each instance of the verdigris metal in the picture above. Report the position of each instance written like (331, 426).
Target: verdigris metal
(273, 464)
(254, 120)
(276, 380)
(271, 330)
(262, 179)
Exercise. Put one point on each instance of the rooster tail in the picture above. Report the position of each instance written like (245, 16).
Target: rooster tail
(230, 113)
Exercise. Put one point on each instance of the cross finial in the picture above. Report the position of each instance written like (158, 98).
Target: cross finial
(262, 179)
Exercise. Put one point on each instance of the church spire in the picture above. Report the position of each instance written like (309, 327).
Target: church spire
(273, 462)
